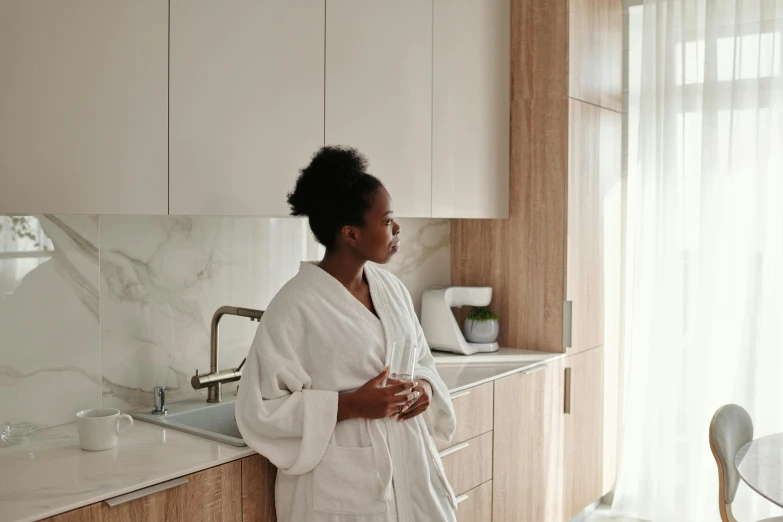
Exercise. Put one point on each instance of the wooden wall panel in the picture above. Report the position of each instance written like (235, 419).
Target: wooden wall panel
(539, 49)
(523, 257)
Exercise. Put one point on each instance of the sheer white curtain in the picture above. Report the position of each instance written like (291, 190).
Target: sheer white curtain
(704, 273)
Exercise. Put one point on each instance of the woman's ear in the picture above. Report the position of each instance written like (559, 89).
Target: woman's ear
(350, 235)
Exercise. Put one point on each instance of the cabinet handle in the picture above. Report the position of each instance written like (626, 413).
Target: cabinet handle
(462, 498)
(567, 405)
(453, 449)
(568, 323)
(140, 493)
(460, 394)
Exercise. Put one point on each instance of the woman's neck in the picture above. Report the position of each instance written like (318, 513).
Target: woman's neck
(345, 267)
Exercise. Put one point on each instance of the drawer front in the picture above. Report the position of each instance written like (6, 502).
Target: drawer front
(468, 464)
(476, 504)
(473, 408)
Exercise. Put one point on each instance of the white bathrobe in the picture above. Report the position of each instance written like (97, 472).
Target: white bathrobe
(315, 341)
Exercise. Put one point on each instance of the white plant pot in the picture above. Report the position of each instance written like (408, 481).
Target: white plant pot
(481, 331)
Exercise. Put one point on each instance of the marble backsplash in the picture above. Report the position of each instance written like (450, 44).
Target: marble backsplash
(99, 310)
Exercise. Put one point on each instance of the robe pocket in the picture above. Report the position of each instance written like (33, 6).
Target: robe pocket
(345, 482)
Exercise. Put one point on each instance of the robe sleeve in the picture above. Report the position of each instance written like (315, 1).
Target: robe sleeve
(277, 412)
(440, 417)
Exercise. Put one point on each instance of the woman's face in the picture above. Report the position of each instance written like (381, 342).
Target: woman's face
(378, 240)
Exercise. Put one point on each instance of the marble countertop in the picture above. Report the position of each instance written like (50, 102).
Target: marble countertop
(52, 475)
(460, 372)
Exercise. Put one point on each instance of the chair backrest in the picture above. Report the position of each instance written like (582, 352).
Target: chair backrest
(730, 429)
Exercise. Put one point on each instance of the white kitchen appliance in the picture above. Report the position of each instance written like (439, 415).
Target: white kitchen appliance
(439, 324)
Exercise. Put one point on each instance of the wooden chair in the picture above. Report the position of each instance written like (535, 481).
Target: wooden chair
(730, 429)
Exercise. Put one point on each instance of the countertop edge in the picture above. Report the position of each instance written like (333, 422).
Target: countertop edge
(502, 355)
(145, 484)
(523, 366)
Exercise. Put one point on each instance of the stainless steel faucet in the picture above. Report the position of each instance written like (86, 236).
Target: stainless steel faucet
(215, 378)
(160, 401)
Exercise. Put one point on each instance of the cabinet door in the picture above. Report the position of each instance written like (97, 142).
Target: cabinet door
(379, 93)
(594, 163)
(527, 481)
(473, 411)
(469, 464)
(258, 489)
(83, 118)
(247, 103)
(212, 495)
(476, 504)
(470, 108)
(583, 431)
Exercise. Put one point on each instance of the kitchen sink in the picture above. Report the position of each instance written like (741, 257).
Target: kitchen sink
(198, 417)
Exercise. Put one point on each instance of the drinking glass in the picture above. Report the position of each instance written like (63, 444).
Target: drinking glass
(403, 360)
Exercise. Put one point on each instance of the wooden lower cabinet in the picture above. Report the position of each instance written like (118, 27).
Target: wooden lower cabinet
(476, 504)
(258, 489)
(542, 462)
(527, 476)
(473, 410)
(548, 440)
(583, 432)
(468, 464)
(212, 495)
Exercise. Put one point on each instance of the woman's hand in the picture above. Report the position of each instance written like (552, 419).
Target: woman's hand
(422, 393)
(373, 400)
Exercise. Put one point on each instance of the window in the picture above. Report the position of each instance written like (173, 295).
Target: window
(23, 246)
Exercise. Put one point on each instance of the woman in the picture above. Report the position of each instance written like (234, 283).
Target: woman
(313, 400)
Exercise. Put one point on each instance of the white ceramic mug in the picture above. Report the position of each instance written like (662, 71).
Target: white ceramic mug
(99, 428)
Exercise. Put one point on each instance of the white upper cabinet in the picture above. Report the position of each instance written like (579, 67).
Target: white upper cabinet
(83, 88)
(470, 108)
(246, 105)
(379, 93)
(207, 107)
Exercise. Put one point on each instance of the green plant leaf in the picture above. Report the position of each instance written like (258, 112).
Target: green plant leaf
(482, 313)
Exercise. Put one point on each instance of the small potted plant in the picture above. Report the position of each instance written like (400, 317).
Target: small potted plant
(481, 325)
